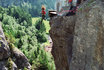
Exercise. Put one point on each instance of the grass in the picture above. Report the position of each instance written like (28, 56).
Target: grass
(47, 26)
(34, 19)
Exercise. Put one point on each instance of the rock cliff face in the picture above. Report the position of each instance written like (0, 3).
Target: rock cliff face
(11, 58)
(78, 40)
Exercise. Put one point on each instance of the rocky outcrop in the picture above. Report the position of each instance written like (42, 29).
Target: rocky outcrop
(62, 33)
(4, 49)
(11, 58)
(4, 53)
(20, 59)
(78, 40)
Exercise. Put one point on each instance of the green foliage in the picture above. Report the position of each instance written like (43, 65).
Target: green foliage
(31, 6)
(43, 61)
(34, 7)
(10, 64)
(41, 30)
(20, 32)
(25, 69)
(45, 22)
(21, 15)
(41, 37)
(10, 38)
(40, 26)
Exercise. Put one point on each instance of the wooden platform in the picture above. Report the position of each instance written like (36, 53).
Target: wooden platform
(52, 13)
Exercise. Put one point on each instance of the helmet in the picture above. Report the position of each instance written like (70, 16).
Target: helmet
(43, 7)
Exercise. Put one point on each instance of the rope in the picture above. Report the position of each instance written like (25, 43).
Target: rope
(69, 10)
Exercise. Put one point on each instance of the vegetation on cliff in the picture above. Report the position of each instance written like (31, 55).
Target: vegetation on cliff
(27, 36)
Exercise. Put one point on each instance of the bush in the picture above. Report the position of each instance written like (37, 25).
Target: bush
(40, 26)
(40, 34)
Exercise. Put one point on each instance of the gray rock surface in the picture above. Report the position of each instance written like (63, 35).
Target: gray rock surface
(62, 33)
(4, 49)
(78, 40)
(18, 59)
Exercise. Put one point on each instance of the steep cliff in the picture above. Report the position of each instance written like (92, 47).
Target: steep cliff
(11, 58)
(78, 40)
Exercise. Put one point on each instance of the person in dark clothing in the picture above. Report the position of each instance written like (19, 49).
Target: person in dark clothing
(72, 10)
(79, 2)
